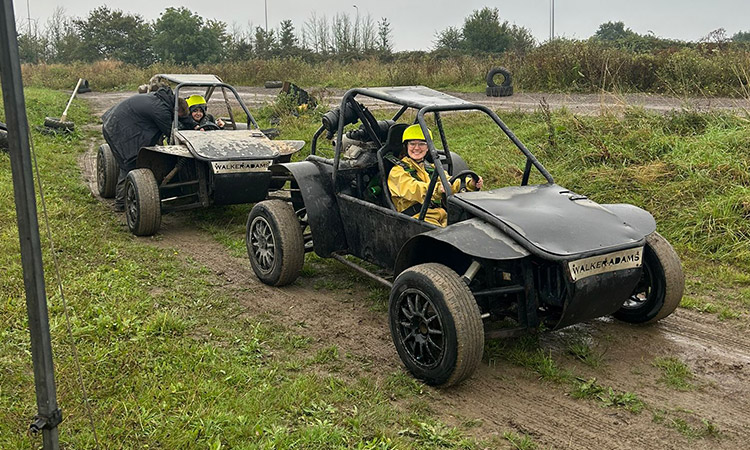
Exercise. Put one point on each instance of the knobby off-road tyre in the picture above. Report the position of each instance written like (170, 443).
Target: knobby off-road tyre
(107, 172)
(660, 289)
(499, 91)
(274, 242)
(273, 84)
(495, 71)
(57, 124)
(142, 202)
(435, 324)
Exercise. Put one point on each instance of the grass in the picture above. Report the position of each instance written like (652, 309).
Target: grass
(685, 423)
(675, 373)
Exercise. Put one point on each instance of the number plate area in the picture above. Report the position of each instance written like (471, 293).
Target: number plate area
(594, 265)
(221, 167)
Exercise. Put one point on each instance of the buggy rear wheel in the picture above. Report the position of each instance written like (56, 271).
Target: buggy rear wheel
(106, 172)
(142, 202)
(660, 288)
(435, 324)
(274, 242)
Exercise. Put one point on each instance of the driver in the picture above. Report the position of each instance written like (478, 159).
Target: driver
(198, 117)
(410, 177)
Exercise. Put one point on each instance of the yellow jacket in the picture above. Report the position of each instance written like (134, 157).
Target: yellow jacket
(408, 190)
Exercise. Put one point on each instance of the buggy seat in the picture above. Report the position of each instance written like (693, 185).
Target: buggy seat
(392, 146)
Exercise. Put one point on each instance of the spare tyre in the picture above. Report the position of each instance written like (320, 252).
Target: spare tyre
(84, 87)
(498, 70)
(57, 124)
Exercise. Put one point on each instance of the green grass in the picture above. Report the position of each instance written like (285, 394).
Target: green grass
(520, 441)
(675, 373)
(685, 423)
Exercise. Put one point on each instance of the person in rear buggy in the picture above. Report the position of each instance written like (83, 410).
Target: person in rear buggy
(139, 121)
(410, 177)
(199, 119)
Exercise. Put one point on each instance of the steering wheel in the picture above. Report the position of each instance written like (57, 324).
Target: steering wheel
(463, 176)
(209, 126)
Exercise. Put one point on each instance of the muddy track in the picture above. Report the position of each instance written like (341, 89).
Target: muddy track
(502, 397)
(582, 104)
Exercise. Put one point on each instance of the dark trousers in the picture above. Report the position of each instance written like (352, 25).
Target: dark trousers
(125, 166)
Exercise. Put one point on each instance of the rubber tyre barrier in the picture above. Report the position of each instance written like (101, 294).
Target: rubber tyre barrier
(84, 87)
(499, 91)
(498, 70)
(57, 124)
(273, 84)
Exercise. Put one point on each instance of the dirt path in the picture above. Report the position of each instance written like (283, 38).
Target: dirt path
(584, 104)
(503, 397)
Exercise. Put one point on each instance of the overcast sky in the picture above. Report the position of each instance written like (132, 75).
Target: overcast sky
(414, 23)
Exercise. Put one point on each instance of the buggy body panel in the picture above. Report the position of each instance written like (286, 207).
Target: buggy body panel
(556, 220)
(313, 178)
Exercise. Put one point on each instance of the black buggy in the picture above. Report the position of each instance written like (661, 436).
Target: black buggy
(510, 260)
(197, 168)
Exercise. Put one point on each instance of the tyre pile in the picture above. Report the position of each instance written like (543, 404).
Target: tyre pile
(504, 89)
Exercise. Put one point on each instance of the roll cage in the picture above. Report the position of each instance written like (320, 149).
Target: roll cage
(425, 101)
(211, 83)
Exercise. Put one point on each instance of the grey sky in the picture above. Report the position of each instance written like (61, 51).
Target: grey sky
(414, 23)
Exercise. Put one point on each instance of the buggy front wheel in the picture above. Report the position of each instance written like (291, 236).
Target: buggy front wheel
(274, 242)
(660, 288)
(435, 324)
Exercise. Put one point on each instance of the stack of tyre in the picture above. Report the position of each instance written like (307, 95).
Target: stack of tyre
(504, 89)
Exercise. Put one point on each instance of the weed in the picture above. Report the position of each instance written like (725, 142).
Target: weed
(583, 352)
(675, 373)
(520, 441)
(590, 389)
(686, 424)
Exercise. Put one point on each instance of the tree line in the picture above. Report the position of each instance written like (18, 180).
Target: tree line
(183, 37)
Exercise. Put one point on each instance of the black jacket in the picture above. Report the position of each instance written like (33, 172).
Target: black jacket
(138, 121)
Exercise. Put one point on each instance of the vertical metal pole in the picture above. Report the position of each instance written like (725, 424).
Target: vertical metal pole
(49, 415)
(552, 22)
(265, 8)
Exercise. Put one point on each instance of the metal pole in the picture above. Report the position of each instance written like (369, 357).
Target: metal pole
(552, 23)
(48, 413)
(265, 8)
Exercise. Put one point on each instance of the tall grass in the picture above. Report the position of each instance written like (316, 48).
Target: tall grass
(560, 66)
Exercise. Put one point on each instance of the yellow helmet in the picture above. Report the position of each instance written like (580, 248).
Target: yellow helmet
(195, 101)
(414, 132)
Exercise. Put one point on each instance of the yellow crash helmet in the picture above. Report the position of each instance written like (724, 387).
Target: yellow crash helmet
(414, 132)
(196, 101)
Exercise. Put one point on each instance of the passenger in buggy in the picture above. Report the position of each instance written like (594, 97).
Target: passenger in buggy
(409, 179)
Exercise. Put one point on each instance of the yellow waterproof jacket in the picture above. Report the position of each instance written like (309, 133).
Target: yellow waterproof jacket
(408, 190)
